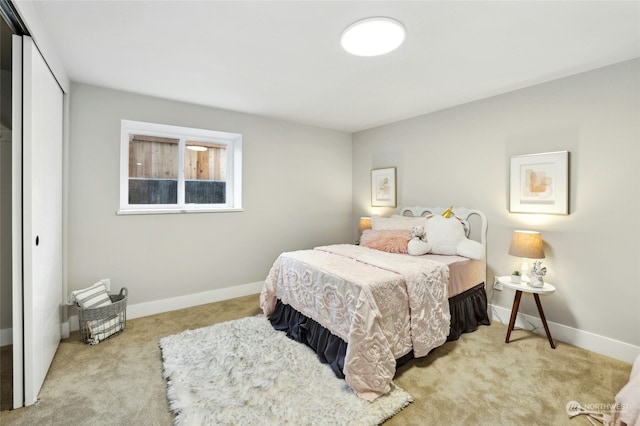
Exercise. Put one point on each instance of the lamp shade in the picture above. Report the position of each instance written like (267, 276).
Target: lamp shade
(526, 244)
(365, 223)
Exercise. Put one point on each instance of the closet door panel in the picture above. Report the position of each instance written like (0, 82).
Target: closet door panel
(42, 218)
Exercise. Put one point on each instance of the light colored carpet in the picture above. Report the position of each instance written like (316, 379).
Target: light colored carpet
(244, 372)
(477, 380)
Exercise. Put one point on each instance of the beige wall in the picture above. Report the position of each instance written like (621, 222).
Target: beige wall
(461, 155)
(305, 186)
(296, 194)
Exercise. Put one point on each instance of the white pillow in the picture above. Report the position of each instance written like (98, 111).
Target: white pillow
(92, 297)
(444, 234)
(447, 237)
(396, 222)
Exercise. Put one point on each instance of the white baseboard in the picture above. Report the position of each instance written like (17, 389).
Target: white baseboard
(582, 339)
(181, 302)
(6, 336)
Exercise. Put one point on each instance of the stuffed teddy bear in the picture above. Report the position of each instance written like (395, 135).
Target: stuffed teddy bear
(417, 244)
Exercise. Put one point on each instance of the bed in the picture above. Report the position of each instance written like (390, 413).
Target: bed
(365, 311)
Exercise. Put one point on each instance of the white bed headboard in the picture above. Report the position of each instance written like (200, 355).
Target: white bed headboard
(474, 229)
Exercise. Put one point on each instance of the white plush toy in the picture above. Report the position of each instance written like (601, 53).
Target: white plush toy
(536, 274)
(418, 244)
(446, 236)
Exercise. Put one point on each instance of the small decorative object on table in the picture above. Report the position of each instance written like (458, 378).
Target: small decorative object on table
(537, 272)
(515, 277)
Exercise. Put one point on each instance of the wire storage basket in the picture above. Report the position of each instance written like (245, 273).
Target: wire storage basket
(98, 324)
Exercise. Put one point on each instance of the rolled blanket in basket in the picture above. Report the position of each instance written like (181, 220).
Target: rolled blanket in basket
(101, 329)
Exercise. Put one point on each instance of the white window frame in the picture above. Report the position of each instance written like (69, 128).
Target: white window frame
(233, 141)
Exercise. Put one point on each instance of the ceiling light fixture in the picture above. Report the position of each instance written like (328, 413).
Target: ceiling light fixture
(373, 36)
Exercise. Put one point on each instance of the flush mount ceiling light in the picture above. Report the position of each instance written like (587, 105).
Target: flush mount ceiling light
(372, 36)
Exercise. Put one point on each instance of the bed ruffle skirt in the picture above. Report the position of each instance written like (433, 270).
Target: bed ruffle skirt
(330, 348)
(468, 310)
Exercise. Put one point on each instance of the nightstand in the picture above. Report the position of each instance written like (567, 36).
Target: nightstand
(524, 287)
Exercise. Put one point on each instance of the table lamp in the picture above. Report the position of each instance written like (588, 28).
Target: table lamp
(364, 224)
(527, 245)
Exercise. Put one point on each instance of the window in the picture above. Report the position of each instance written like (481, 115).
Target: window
(169, 169)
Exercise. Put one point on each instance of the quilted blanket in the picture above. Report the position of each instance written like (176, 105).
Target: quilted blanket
(382, 304)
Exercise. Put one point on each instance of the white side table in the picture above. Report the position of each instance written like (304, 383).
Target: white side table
(524, 287)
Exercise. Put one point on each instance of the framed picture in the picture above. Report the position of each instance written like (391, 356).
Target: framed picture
(383, 187)
(540, 183)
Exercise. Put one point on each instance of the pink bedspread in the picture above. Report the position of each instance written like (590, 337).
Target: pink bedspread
(382, 304)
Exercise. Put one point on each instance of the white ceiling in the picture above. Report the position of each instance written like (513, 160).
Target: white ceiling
(283, 59)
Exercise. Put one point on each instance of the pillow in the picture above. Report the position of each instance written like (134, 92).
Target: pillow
(444, 234)
(447, 237)
(92, 297)
(392, 241)
(395, 222)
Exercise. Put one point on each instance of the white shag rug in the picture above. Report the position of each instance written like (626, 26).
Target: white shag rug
(244, 372)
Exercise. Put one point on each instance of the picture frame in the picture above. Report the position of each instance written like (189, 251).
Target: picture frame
(539, 183)
(383, 187)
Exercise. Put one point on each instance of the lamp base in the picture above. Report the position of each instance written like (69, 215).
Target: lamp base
(524, 268)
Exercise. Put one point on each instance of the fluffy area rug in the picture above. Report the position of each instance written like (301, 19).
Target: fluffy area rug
(244, 372)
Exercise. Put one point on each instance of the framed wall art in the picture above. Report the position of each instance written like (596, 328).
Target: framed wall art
(383, 187)
(540, 183)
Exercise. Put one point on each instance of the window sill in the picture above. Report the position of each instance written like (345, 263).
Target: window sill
(126, 212)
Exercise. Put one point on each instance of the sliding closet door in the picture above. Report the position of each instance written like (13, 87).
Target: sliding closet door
(16, 221)
(42, 117)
